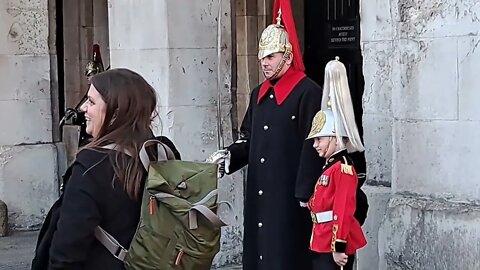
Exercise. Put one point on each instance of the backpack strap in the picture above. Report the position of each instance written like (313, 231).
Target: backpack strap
(164, 153)
(106, 239)
(113, 146)
(207, 213)
(111, 244)
(198, 207)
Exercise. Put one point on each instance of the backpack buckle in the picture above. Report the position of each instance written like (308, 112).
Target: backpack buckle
(121, 253)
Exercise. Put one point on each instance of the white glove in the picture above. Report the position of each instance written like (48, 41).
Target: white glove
(217, 156)
(222, 158)
(303, 204)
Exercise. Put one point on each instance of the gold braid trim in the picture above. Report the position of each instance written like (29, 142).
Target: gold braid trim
(334, 237)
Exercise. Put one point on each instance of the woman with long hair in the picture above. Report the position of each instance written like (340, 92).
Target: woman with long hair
(107, 178)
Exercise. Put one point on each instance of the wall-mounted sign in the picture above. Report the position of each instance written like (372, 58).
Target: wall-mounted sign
(343, 34)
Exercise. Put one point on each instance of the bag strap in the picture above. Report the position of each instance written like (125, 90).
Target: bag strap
(113, 146)
(106, 239)
(207, 213)
(198, 207)
(111, 244)
(163, 153)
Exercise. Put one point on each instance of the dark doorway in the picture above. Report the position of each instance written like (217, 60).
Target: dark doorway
(332, 28)
(60, 64)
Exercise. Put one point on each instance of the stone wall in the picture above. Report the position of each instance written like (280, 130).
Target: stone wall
(421, 122)
(28, 156)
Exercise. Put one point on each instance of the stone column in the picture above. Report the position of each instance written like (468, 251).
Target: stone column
(422, 121)
(173, 44)
(28, 159)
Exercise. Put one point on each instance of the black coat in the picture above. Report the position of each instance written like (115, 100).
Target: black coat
(91, 198)
(282, 170)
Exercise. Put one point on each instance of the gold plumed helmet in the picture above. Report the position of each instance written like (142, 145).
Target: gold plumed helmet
(274, 39)
(95, 65)
(92, 68)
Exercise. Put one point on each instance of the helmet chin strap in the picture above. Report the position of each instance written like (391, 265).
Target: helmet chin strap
(280, 66)
(329, 152)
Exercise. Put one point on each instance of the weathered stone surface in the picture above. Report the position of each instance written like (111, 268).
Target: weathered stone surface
(378, 198)
(468, 75)
(124, 23)
(434, 112)
(195, 139)
(25, 77)
(26, 121)
(204, 18)
(378, 70)
(200, 133)
(155, 72)
(421, 233)
(231, 190)
(432, 165)
(27, 4)
(378, 139)
(436, 18)
(26, 111)
(376, 23)
(25, 26)
(28, 182)
(186, 64)
(427, 84)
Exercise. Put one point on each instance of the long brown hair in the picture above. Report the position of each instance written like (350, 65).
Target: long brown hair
(130, 105)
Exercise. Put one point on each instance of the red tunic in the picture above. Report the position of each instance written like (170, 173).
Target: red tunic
(336, 190)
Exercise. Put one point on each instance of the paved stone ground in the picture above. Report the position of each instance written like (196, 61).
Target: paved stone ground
(16, 251)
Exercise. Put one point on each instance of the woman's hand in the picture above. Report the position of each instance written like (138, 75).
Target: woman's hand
(340, 258)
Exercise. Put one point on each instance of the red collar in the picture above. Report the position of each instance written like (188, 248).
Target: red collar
(283, 87)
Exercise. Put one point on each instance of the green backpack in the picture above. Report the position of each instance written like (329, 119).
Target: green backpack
(178, 227)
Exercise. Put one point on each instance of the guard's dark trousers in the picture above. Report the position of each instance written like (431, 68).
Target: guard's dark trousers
(324, 261)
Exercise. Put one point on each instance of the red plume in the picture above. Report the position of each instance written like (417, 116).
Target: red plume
(289, 24)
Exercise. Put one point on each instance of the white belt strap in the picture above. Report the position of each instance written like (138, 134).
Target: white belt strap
(322, 217)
